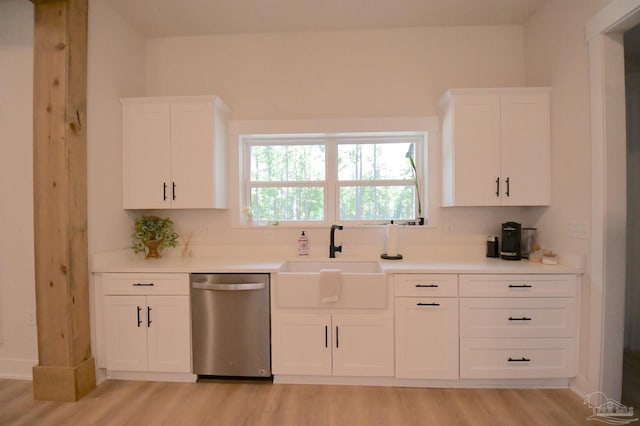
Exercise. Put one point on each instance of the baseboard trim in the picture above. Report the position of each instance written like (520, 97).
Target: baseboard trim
(19, 369)
(151, 376)
(420, 383)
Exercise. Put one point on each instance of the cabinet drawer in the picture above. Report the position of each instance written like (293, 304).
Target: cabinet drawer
(143, 284)
(517, 358)
(426, 285)
(518, 317)
(521, 285)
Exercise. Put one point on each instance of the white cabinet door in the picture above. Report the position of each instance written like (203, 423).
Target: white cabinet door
(146, 156)
(192, 154)
(301, 344)
(168, 334)
(525, 149)
(126, 332)
(362, 345)
(471, 151)
(427, 338)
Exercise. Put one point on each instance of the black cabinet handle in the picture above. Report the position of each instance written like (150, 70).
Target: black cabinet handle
(508, 187)
(427, 285)
(520, 286)
(523, 359)
(326, 336)
(139, 320)
(427, 304)
(337, 338)
(148, 316)
(498, 186)
(142, 284)
(164, 191)
(519, 319)
(173, 191)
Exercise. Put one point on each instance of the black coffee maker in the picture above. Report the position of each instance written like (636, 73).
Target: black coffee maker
(511, 234)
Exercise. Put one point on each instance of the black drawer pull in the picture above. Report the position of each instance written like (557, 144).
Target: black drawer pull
(149, 316)
(142, 284)
(519, 319)
(427, 286)
(520, 286)
(139, 320)
(427, 304)
(326, 336)
(523, 359)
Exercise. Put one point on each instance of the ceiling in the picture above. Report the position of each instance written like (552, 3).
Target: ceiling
(167, 18)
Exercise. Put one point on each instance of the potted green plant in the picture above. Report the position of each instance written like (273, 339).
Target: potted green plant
(151, 234)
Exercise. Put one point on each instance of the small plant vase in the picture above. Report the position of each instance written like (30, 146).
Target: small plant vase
(153, 247)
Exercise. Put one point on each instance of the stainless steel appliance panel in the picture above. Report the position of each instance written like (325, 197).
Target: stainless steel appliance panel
(230, 325)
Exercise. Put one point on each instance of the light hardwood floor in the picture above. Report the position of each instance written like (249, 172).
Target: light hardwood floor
(119, 402)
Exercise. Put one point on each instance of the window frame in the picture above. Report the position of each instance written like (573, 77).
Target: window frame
(431, 180)
(332, 184)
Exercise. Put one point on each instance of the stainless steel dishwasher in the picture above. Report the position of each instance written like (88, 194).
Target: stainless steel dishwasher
(230, 325)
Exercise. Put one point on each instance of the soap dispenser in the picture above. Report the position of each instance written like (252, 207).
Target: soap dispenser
(303, 245)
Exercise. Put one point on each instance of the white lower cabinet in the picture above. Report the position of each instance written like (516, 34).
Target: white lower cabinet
(145, 331)
(332, 344)
(426, 338)
(426, 328)
(518, 326)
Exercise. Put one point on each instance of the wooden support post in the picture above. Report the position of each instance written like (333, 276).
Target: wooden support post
(66, 368)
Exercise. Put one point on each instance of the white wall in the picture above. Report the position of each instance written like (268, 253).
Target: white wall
(339, 74)
(115, 70)
(394, 72)
(18, 341)
(556, 55)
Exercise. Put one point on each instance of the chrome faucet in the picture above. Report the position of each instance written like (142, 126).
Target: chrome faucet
(332, 244)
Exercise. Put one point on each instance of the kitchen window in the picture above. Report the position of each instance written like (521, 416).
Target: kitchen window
(326, 178)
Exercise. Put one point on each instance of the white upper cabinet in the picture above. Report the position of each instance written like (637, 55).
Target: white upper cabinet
(496, 147)
(174, 152)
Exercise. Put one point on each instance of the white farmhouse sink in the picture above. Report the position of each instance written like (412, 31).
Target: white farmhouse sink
(346, 266)
(363, 285)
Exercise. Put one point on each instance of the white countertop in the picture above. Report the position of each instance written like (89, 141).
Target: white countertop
(476, 266)
(210, 262)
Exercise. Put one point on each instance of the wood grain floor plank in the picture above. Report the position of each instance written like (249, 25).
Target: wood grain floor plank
(219, 403)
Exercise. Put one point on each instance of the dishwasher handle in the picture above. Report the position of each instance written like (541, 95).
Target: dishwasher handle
(227, 287)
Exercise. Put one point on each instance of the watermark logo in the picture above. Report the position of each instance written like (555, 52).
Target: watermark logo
(608, 410)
